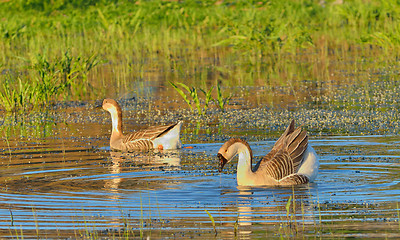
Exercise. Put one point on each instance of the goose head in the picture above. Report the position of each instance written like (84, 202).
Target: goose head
(111, 105)
(230, 149)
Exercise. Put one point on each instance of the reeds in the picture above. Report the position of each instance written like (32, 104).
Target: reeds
(265, 43)
(51, 80)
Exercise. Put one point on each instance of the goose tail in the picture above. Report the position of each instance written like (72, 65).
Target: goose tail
(310, 164)
(170, 139)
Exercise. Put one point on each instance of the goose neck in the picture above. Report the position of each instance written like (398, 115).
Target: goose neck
(116, 117)
(244, 167)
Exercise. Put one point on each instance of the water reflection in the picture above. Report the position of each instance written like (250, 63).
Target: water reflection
(38, 126)
(244, 211)
(165, 160)
(259, 206)
(172, 189)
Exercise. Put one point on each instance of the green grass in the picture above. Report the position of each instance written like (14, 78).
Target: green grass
(192, 98)
(105, 48)
(221, 101)
(212, 221)
(51, 80)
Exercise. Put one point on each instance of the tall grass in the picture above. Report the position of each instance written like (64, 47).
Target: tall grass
(264, 43)
(51, 80)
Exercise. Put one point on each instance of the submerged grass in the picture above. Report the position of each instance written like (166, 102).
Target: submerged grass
(240, 43)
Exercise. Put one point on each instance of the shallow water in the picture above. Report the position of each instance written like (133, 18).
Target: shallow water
(72, 185)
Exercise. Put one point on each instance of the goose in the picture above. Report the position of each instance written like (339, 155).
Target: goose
(291, 161)
(155, 137)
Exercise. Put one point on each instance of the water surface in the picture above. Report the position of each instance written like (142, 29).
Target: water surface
(69, 186)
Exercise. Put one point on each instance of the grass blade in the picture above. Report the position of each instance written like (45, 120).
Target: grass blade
(212, 221)
(183, 95)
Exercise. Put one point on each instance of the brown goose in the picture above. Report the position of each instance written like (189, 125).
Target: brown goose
(291, 161)
(158, 137)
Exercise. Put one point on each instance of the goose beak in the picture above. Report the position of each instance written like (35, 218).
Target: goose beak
(222, 162)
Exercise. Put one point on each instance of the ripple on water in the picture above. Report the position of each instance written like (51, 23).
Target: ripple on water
(75, 187)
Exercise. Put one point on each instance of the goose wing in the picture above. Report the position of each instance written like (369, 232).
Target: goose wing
(286, 156)
(277, 146)
(143, 139)
(289, 130)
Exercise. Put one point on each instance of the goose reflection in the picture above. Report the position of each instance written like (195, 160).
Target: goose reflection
(121, 177)
(165, 160)
(263, 207)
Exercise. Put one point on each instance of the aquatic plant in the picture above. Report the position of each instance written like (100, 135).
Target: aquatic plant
(65, 74)
(195, 99)
(287, 230)
(11, 217)
(212, 221)
(236, 227)
(141, 216)
(220, 101)
(192, 92)
(287, 206)
(65, 77)
(16, 97)
(208, 98)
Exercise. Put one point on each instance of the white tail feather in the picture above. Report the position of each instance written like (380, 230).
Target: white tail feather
(171, 139)
(310, 164)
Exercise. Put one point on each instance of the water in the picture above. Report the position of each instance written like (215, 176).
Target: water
(69, 184)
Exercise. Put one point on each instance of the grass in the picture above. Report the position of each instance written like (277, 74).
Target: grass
(212, 221)
(66, 76)
(195, 100)
(221, 101)
(112, 46)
